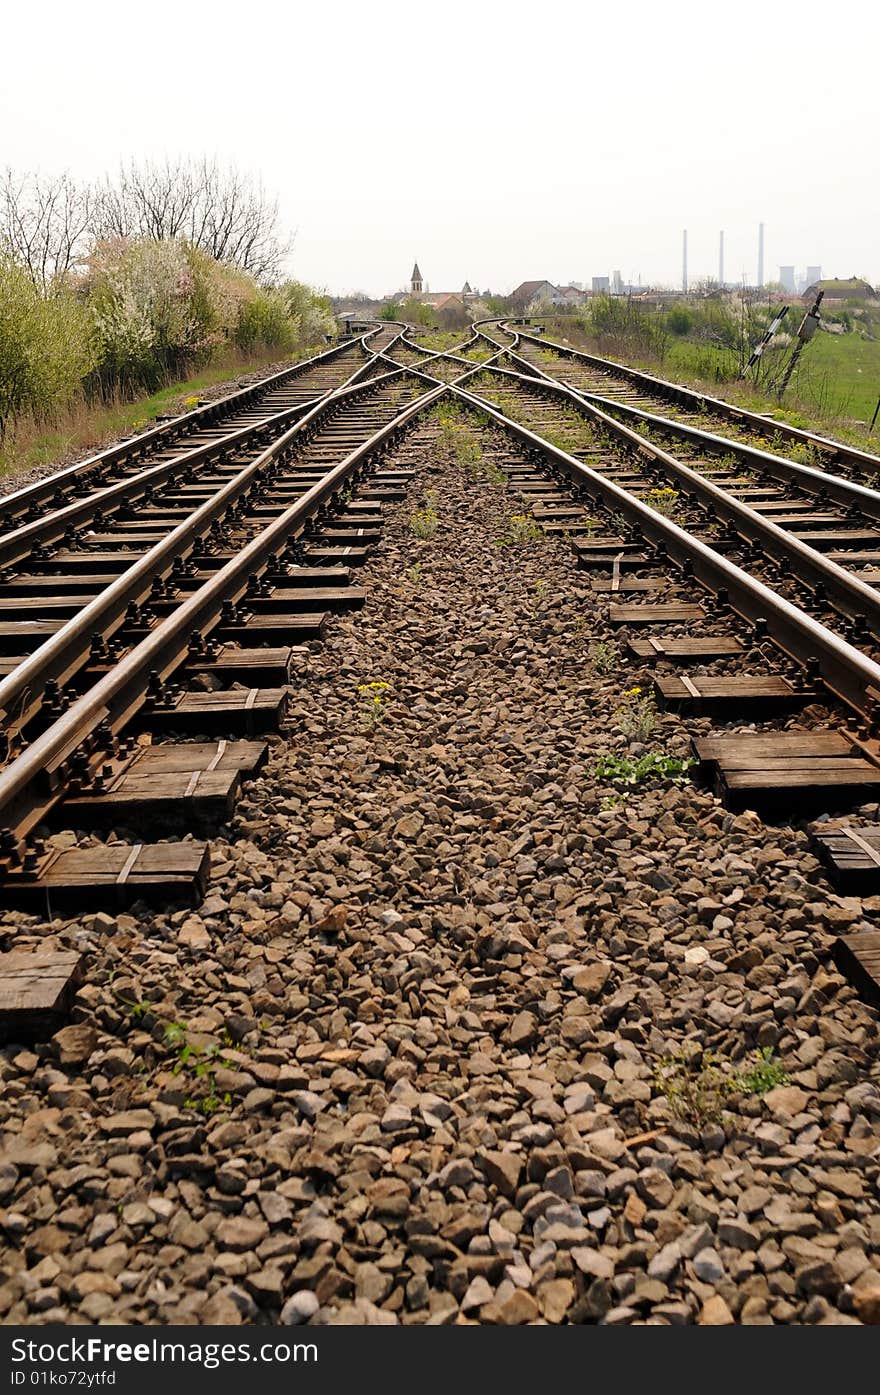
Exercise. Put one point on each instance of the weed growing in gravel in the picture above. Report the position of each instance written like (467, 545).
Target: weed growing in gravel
(613, 801)
(695, 1084)
(197, 1064)
(491, 473)
(802, 453)
(425, 522)
(662, 500)
(521, 530)
(637, 714)
(373, 702)
(654, 765)
(468, 453)
(765, 1074)
(414, 574)
(190, 404)
(538, 597)
(604, 656)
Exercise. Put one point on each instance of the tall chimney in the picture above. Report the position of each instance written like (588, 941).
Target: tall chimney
(760, 255)
(721, 259)
(684, 261)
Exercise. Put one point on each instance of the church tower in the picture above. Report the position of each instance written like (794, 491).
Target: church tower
(417, 285)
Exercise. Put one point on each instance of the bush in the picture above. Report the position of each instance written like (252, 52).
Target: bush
(159, 308)
(264, 323)
(152, 312)
(621, 321)
(45, 347)
(679, 321)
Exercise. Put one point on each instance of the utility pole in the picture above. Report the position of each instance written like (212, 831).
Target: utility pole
(806, 329)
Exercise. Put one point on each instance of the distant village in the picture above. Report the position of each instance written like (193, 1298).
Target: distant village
(454, 308)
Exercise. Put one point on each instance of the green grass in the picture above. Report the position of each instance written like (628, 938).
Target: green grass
(852, 366)
(838, 376)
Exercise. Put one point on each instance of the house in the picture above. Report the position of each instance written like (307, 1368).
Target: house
(444, 300)
(847, 288)
(530, 295)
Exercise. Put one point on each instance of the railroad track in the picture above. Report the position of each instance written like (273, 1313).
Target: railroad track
(412, 911)
(180, 439)
(176, 617)
(629, 387)
(168, 602)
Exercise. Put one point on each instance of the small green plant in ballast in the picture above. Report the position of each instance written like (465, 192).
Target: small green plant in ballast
(197, 1065)
(637, 714)
(372, 701)
(521, 530)
(663, 500)
(603, 656)
(764, 1074)
(696, 1085)
(639, 770)
(538, 597)
(414, 574)
(425, 522)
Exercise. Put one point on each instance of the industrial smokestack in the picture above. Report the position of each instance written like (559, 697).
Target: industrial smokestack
(760, 255)
(684, 261)
(721, 259)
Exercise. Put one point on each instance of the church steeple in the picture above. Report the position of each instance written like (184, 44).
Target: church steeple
(417, 284)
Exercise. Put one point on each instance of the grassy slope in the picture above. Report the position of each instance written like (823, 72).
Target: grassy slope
(88, 428)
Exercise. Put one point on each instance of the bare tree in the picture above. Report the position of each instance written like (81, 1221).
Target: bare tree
(44, 222)
(217, 209)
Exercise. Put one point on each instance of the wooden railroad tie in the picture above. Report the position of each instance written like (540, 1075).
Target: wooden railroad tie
(180, 785)
(112, 878)
(624, 585)
(593, 560)
(683, 651)
(677, 612)
(737, 694)
(36, 989)
(858, 959)
(271, 667)
(787, 771)
(234, 711)
(851, 855)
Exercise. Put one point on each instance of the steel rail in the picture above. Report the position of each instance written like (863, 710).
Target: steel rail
(137, 447)
(67, 651)
(847, 492)
(847, 592)
(112, 701)
(19, 543)
(700, 401)
(848, 673)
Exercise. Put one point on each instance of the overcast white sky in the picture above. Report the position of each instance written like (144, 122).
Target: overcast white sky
(555, 140)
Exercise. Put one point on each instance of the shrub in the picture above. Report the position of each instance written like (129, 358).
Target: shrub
(45, 348)
(679, 320)
(152, 312)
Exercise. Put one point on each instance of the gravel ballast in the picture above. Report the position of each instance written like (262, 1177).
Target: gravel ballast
(402, 1063)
